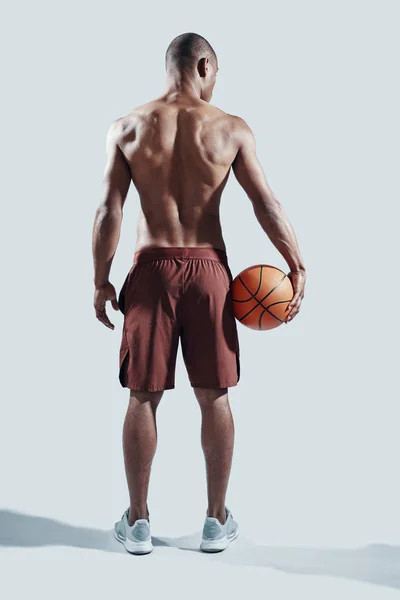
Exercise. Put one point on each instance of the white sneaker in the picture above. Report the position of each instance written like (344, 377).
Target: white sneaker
(135, 538)
(217, 536)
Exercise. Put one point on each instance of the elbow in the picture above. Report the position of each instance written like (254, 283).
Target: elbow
(107, 217)
(105, 211)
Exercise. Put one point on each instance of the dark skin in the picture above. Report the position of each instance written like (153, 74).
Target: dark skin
(179, 150)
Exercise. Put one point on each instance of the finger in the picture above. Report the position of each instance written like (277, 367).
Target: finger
(102, 316)
(295, 304)
(292, 315)
(288, 319)
(293, 312)
(105, 322)
(114, 304)
(292, 302)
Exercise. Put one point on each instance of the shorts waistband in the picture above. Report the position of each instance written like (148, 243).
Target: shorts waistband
(180, 252)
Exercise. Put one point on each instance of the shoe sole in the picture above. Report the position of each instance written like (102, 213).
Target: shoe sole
(218, 545)
(134, 547)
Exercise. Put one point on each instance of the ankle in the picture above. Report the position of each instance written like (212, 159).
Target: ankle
(218, 513)
(136, 513)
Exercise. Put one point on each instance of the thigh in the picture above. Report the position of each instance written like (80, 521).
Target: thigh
(209, 338)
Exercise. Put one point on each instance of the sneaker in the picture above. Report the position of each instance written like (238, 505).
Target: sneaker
(135, 538)
(217, 536)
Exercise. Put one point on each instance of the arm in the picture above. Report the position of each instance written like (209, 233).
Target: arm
(268, 210)
(107, 223)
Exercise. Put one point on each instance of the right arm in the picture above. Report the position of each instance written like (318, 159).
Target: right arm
(268, 210)
(107, 223)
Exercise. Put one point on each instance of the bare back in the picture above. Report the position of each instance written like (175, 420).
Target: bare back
(179, 156)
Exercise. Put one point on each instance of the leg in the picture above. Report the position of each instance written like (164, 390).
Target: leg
(217, 440)
(139, 444)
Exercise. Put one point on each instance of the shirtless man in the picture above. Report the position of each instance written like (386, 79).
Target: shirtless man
(178, 150)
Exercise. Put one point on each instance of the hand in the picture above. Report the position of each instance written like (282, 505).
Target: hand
(101, 295)
(298, 280)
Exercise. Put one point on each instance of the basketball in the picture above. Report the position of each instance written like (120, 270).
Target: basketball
(260, 295)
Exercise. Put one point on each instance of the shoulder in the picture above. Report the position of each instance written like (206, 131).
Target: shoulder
(112, 136)
(122, 129)
(241, 131)
(115, 130)
(236, 125)
(240, 125)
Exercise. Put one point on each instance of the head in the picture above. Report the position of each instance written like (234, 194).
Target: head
(190, 57)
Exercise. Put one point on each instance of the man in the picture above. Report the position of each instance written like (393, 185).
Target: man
(178, 151)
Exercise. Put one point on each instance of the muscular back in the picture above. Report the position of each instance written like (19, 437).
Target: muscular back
(179, 155)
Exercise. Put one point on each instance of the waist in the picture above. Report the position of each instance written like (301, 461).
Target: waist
(155, 253)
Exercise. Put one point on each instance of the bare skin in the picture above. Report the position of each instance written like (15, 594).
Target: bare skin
(178, 150)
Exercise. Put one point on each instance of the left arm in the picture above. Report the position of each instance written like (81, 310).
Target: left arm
(107, 224)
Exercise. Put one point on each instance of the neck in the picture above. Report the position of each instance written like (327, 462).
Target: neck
(182, 84)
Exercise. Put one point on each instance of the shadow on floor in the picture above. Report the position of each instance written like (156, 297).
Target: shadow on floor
(375, 563)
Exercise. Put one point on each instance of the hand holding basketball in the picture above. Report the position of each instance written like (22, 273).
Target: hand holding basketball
(298, 279)
(262, 295)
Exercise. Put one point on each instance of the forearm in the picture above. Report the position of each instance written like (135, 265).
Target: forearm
(272, 218)
(106, 232)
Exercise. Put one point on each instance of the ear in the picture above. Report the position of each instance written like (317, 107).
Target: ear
(202, 66)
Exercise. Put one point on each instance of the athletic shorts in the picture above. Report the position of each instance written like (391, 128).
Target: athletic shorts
(172, 294)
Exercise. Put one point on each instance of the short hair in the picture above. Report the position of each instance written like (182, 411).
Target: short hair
(186, 49)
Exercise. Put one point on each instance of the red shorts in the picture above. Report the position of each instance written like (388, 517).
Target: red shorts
(178, 293)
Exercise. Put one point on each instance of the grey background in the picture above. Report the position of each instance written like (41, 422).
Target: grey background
(316, 410)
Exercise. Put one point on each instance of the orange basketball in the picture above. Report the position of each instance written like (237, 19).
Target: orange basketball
(260, 296)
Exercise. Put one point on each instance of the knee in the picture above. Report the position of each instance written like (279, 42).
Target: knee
(143, 397)
(208, 396)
